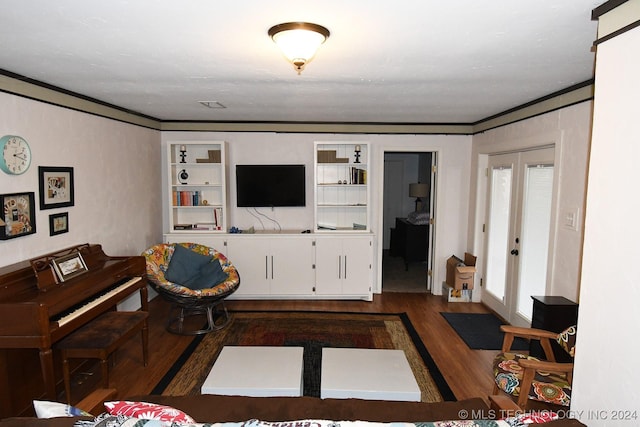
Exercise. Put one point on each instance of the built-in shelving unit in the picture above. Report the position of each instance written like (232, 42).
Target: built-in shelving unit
(341, 186)
(197, 193)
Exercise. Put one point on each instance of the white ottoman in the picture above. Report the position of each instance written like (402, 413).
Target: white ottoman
(367, 374)
(256, 372)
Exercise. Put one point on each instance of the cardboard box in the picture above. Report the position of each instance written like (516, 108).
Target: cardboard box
(460, 273)
(456, 295)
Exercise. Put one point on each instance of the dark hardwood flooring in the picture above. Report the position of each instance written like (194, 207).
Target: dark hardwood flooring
(468, 372)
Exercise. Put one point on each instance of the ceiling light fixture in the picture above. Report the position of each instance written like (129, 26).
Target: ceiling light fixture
(299, 41)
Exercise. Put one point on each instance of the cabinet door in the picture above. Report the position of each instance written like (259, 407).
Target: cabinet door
(291, 263)
(357, 265)
(251, 258)
(329, 268)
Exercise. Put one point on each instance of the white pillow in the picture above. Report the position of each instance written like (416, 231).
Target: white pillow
(46, 409)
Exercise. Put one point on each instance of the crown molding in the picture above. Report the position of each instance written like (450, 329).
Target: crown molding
(38, 91)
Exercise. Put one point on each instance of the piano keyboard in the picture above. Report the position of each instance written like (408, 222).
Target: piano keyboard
(90, 304)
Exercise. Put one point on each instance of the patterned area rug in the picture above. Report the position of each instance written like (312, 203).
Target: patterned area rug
(311, 330)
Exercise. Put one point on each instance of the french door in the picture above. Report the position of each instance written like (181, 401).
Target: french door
(519, 201)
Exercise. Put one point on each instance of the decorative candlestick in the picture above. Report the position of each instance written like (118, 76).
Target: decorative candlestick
(357, 154)
(183, 153)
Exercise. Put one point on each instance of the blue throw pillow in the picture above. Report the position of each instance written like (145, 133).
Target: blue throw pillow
(185, 264)
(210, 275)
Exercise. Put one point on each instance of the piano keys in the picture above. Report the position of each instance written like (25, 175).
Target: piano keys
(91, 304)
(36, 315)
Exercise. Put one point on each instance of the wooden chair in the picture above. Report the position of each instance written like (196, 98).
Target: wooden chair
(528, 378)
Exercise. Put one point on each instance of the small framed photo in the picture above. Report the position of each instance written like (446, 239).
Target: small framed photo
(69, 266)
(58, 223)
(17, 215)
(56, 187)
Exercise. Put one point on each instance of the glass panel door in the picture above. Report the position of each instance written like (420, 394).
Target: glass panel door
(534, 242)
(520, 194)
(498, 233)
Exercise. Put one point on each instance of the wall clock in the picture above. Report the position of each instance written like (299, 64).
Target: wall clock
(16, 155)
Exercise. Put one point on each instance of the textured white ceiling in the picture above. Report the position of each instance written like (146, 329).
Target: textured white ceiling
(408, 61)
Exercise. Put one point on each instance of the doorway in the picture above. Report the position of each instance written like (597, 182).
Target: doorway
(406, 236)
(519, 201)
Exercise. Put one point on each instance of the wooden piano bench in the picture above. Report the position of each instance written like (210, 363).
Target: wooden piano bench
(101, 337)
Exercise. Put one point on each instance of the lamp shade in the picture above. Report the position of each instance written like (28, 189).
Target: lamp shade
(418, 190)
(299, 41)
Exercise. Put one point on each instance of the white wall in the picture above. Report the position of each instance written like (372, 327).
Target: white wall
(567, 129)
(453, 183)
(606, 368)
(116, 173)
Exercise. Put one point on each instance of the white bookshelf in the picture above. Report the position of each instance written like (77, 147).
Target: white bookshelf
(197, 187)
(341, 185)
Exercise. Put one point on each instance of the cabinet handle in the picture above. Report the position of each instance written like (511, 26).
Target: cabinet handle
(271, 267)
(345, 267)
(266, 267)
(339, 267)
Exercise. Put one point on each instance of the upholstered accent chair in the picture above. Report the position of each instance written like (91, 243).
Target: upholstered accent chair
(195, 279)
(526, 377)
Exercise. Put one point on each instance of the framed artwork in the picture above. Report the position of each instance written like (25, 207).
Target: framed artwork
(69, 266)
(56, 187)
(58, 223)
(18, 215)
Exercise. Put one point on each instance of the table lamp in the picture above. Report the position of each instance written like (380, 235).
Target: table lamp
(418, 190)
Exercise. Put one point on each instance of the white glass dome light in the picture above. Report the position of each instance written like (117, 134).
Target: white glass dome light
(299, 41)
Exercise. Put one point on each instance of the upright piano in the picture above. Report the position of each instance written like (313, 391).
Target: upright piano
(37, 309)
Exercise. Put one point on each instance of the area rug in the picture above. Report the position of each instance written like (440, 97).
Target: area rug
(312, 331)
(481, 331)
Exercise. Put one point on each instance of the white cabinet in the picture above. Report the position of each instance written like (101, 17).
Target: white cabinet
(196, 187)
(343, 266)
(272, 265)
(341, 185)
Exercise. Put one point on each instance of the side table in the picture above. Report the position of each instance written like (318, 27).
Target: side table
(555, 314)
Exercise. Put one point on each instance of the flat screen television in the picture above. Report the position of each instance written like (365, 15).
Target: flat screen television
(270, 185)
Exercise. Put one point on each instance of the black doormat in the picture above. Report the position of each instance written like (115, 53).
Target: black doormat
(481, 331)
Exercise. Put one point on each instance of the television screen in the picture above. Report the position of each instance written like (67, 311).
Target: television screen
(270, 185)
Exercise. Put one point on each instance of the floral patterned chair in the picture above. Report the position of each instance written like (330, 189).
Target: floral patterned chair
(542, 380)
(196, 279)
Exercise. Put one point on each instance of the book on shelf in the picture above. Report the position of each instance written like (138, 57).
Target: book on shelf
(186, 198)
(322, 226)
(182, 226)
(217, 215)
(208, 226)
(358, 176)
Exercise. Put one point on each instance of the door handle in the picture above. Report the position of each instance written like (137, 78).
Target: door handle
(514, 252)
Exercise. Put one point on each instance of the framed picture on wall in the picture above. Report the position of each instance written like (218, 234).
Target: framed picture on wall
(56, 187)
(58, 223)
(18, 216)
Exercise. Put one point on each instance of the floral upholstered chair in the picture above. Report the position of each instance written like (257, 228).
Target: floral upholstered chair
(526, 377)
(195, 279)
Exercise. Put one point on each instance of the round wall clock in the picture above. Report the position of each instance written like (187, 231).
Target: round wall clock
(16, 155)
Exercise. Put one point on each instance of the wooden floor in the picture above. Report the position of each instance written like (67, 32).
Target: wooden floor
(468, 372)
